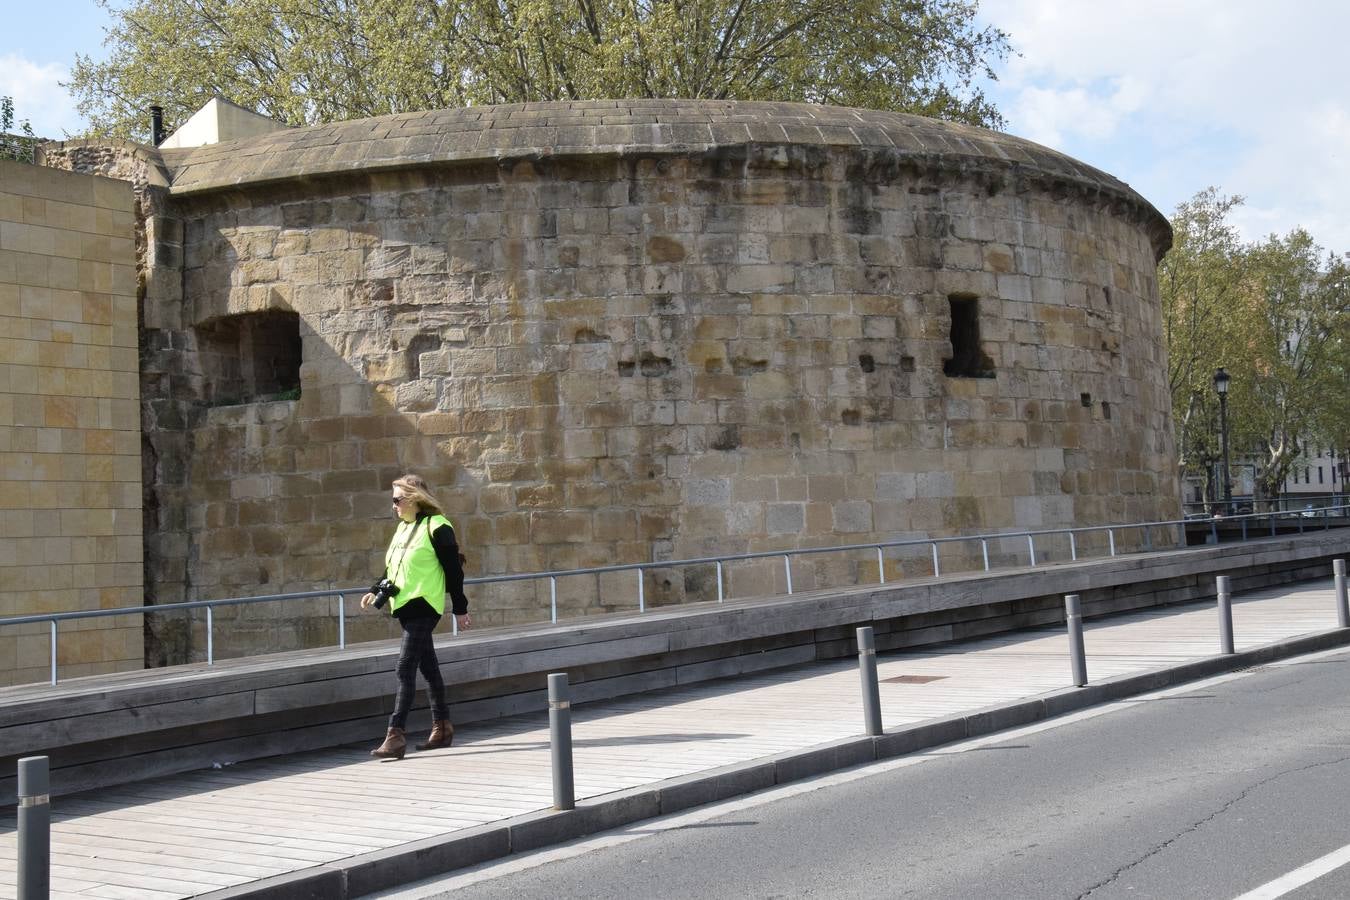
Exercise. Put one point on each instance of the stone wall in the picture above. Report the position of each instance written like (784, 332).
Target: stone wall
(632, 332)
(70, 450)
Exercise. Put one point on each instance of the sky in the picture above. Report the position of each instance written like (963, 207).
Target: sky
(1171, 96)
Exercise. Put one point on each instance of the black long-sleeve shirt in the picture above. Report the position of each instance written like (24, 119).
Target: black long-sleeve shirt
(447, 552)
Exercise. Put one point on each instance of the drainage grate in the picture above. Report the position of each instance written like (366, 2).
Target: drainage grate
(913, 679)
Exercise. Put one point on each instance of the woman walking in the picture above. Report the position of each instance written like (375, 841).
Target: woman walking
(421, 566)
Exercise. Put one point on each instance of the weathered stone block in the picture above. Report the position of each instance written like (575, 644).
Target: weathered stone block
(784, 518)
(559, 527)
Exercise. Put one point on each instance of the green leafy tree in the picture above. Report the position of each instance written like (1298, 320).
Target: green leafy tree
(20, 146)
(1199, 279)
(1295, 315)
(1276, 315)
(312, 61)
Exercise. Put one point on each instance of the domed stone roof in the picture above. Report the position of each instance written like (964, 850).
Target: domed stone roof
(629, 127)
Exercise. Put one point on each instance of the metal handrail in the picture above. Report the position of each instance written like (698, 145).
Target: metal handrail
(1286, 503)
(640, 568)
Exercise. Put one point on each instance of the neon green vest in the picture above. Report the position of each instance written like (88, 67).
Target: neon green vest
(411, 564)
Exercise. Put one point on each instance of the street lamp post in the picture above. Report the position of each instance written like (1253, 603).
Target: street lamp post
(1221, 379)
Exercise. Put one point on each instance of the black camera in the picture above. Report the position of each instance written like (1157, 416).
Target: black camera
(384, 590)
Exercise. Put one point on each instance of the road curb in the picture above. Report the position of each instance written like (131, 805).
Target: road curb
(359, 875)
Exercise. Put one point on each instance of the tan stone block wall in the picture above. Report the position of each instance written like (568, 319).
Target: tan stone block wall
(70, 449)
(609, 361)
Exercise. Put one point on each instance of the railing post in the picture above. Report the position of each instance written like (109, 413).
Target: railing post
(53, 651)
(1111, 539)
(1031, 548)
(787, 569)
(342, 621)
(1213, 530)
(867, 670)
(1073, 547)
(1244, 528)
(642, 593)
(1148, 539)
(1272, 524)
(1342, 602)
(719, 581)
(937, 568)
(1225, 615)
(35, 824)
(210, 638)
(553, 599)
(984, 548)
(560, 740)
(881, 566)
(1073, 617)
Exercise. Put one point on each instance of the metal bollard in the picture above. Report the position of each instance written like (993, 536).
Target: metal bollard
(1342, 602)
(867, 670)
(560, 740)
(1225, 615)
(1077, 657)
(35, 829)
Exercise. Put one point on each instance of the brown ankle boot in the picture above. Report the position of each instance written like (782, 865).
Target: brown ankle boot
(393, 747)
(442, 735)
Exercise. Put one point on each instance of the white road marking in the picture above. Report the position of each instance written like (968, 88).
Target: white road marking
(1300, 876)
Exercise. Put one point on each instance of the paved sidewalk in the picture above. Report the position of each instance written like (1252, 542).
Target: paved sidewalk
(199, 832)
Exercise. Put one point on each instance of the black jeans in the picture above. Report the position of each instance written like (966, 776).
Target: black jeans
(418, 652)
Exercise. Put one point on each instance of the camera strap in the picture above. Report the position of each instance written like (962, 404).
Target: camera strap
(407, 544)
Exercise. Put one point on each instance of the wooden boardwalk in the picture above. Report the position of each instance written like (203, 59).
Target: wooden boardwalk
(194, 833)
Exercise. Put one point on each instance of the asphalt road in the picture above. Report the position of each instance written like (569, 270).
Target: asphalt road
(1209, 792)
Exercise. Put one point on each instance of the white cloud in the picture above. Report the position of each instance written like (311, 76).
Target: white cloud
(1299, 175)
(1174, 97)
(1046, 114)
(38, 95)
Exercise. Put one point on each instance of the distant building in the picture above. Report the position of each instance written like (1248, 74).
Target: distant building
(1321, 471)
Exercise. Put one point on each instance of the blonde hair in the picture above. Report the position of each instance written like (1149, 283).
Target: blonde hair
(415, 486)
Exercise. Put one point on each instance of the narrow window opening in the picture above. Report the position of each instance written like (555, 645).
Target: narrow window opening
(421, 343)
(968, 360)
(250, 357)
(1085, 399)
(1106, 410)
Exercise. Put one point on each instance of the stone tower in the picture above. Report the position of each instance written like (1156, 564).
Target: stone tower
(633, 331)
